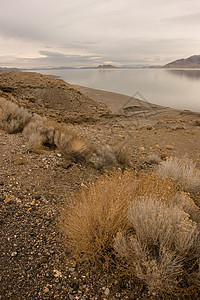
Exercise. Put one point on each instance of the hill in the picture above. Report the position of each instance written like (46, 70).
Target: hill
(36, 186)
(190, 62)
(106, 67)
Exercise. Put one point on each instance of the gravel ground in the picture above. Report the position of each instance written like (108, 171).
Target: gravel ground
(35, 263)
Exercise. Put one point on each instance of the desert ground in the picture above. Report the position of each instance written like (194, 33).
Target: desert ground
(35, 263)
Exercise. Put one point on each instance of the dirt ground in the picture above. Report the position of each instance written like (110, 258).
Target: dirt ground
(35, 263)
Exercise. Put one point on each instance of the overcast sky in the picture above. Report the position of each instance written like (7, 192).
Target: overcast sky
(53, 33)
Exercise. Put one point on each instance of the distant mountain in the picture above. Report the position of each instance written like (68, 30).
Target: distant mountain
(106, 67)
(190, 62)
(9, 69)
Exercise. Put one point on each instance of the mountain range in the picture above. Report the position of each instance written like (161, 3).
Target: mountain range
(190, 62)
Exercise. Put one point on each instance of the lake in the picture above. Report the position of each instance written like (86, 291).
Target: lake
(175, 88)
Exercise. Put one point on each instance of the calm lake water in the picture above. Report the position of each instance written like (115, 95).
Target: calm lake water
(176, 88)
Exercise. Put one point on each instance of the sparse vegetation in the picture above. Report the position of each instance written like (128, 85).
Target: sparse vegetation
(162, 240)
(41, 132)
(13, 118)
(152, 227)
(136, 232)
(153, 159)
(100, 211)
(183, 171)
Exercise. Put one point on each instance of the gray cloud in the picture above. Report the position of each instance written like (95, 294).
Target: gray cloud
(89, 32)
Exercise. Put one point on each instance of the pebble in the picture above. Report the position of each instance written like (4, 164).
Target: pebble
(107, 291)
(157, 146)
(141, 148)
(170, 147)
(46, 290)
(57, 273)
(71, 269)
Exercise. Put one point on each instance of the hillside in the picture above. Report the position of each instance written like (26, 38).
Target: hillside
(106, 67)
(35, 186)
(190, 62)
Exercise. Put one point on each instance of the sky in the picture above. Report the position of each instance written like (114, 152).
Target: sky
(79, 33)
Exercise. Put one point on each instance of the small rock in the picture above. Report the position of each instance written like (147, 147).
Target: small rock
(7, 199)
(141, 148)
(163, 155)
(170, 147)
(57, 273)
(14, 254)
(71, 269)
(46, 290)
(157, 146)
(107, 291)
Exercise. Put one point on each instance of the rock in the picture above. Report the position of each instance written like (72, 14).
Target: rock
(157, 146)
(71, 269)
(141, 148)
(57, 273)
(170, 147)
(107, 291)
(163, 155)
(46, 290)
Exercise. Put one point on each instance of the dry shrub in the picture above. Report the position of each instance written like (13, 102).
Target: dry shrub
(122, 156)
(153, 159)
(162, 240)
(187, 204)
(13, 118)
(71, 144)
(95, 217)
(100, 211)
(183, 171)
(39, 133)
(139, 222)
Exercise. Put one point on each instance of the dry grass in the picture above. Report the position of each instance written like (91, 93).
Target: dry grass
(183, 171)
(153, 159)
(13, 118)
(41, 132)
(100, 211)
(95, 217)
(163, 237)
(137, 221)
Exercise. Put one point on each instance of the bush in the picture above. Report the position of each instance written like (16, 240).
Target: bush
(100, 211)
(137, 222)
(183, 171)
(153, 159)
(162, 241)
(95, 216)
(13, 118)
(39, 133)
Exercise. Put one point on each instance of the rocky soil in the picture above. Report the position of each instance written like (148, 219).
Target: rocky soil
(35, 263)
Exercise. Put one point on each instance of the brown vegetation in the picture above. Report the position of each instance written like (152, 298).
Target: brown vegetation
(13, 118)
(41, 132)
(183, 171)
(151, 225)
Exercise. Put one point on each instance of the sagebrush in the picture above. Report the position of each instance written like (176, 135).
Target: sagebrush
(140, 223)
(183, 171)
(41, 133)
(13, 118)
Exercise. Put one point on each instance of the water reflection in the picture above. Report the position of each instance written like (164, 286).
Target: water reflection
(191, 74)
